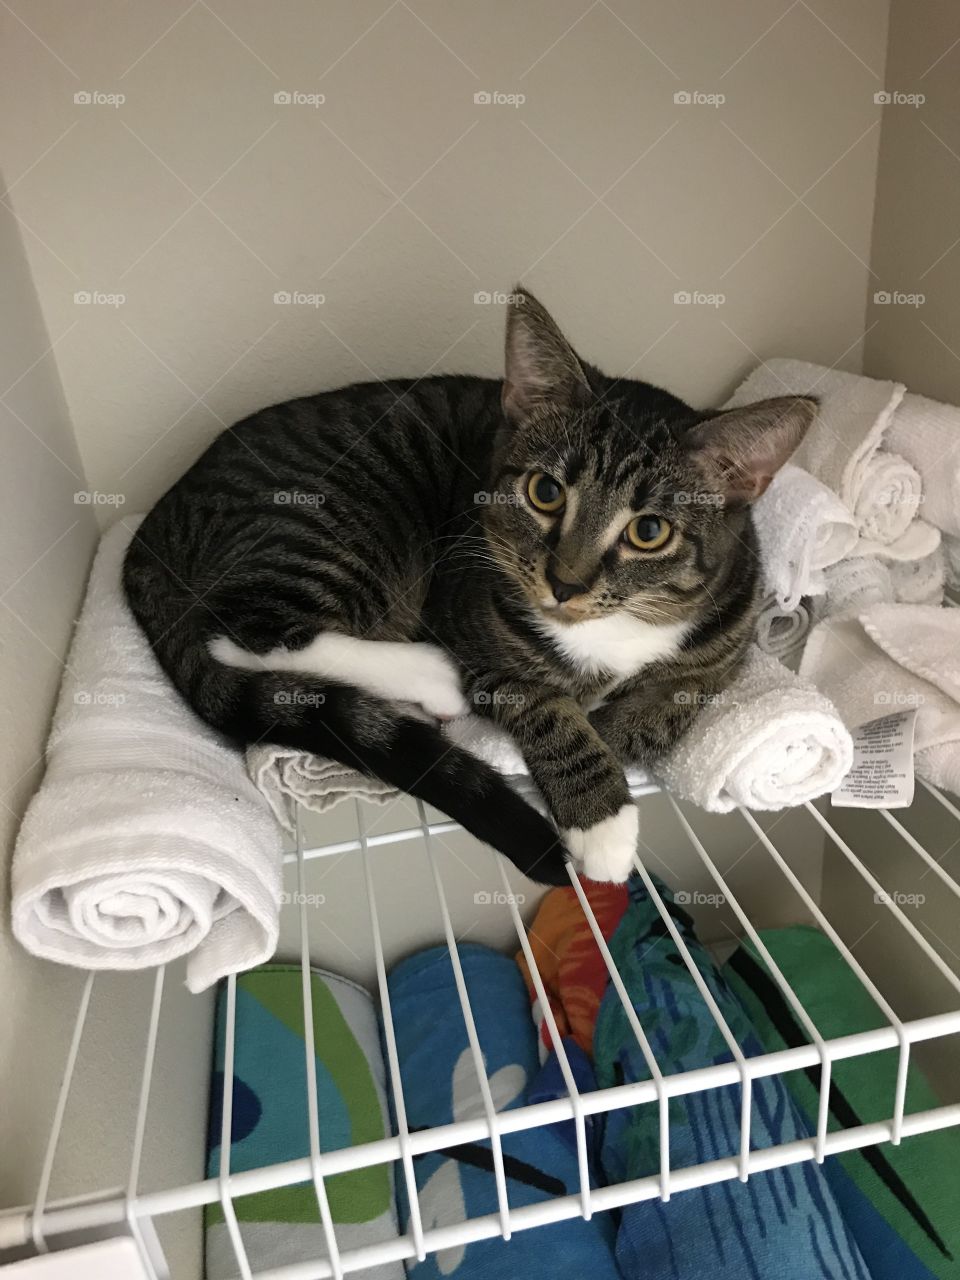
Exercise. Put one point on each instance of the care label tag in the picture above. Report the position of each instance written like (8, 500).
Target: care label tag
(882, 772)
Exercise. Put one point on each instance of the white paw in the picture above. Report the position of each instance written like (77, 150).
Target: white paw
(230, 654)
(606, 850)
(431, 680)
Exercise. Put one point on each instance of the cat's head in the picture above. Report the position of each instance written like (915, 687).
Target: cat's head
(610, 495)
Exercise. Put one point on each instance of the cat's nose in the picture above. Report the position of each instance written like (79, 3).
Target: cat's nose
(563, 588)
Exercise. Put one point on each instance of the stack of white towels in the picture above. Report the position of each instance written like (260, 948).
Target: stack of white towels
(149, 839)
(860, 536)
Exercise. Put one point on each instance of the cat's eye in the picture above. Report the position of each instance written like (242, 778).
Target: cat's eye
(647, 532)
(545, 493)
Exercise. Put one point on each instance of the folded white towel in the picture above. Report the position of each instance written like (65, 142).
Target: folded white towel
(288, 778)
(920, 581)
(854, 584)
(842, 445)
(771, 740)
(927, 434)
(803, 527)
(782, 631)
(895, 657)
(146, 840)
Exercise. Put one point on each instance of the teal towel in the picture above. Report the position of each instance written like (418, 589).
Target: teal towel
(270, 1120)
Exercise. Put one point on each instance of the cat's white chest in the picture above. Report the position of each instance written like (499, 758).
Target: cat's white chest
(617, 646)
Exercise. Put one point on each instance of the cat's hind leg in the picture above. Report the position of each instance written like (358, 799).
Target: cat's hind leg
(399, 671)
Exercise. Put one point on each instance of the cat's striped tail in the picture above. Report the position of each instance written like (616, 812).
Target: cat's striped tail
(378, 738)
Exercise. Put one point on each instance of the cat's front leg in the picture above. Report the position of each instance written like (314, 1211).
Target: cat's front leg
(641, 726)
(578, 776)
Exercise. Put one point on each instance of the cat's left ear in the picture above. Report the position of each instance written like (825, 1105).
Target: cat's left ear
(741, 450)
(541, 366)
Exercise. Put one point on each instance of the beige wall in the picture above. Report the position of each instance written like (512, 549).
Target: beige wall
(916, 239)
(199, 198)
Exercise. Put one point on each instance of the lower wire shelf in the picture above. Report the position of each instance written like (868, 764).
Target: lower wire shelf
(935, 968)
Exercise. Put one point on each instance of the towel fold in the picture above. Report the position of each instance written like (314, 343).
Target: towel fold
(146, 840)
(782, 1223)
(271, 1121)
(927, 434)
(895, 657)
(951, 550)
(802, 527)
(781, 632)
(842, 449)
(900, 1203)
(769, 741)
(440, 1085)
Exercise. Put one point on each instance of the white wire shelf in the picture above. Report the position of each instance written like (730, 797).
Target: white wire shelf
(47, 1220)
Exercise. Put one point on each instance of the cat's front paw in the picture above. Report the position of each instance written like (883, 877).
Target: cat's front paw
(606, 850)
(428, 677)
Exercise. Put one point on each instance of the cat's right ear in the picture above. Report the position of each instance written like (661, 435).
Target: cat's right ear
(541, 366)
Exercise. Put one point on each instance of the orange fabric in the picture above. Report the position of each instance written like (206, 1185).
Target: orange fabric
(569, 960)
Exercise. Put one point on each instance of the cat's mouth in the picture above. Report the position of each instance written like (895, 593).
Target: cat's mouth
(572, 611)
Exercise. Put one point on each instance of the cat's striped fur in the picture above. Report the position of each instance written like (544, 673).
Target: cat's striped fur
(269, 577)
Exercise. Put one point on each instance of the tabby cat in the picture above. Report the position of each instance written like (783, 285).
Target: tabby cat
(567, 553)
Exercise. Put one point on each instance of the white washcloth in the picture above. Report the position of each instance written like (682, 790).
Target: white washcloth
(769, 741)
(895, 657)
(782, 631)
(802, 527)
(288, 777)
(920, 581)
(146, 840)
(842, 445)
(927, 434)
(854, 584)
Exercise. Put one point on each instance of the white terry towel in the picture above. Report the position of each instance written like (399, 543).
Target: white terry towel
(894, 657)
(920, 581)
(854, 584)
(843, 449)
(782, 631)
(771, 740)
(146, 840)
(802, 527)
(927, 434)
(287, 777)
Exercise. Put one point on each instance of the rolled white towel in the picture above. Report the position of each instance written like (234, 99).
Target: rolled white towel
(146, 840)
(782, 631)
(802, 527)
(771, 740)
(920, 581)
(927, 434)
(886, 497)
(854, 584)
(896, 657)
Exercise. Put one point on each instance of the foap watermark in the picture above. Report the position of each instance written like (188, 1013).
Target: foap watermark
(498, 898)
(98, 698)
(696, 898)
(498, 698)
(95, 298)
(298, 498)
(898, 899)
(97, 98)
(897, 298)
(894, 98)
(496, 498)
(488, 298)
(697, 698)
(296, 98)
(685, 499)
(297, 898)
(697, 98)
(94, 498)
(696, 298)
(495, 98)
(297, 298)
(897, 698)
(298, 698)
